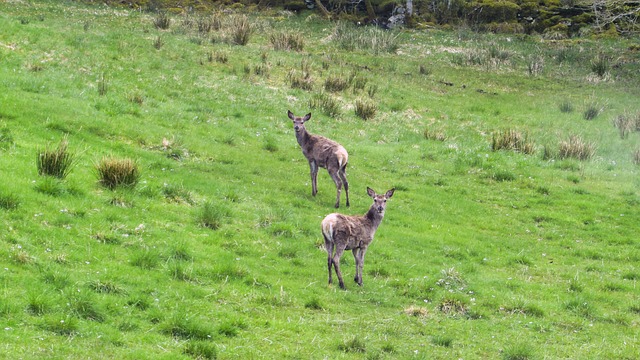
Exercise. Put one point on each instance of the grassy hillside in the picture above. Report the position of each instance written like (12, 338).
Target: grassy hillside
(217, 252)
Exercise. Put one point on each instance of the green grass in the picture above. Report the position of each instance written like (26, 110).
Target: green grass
(213, 249)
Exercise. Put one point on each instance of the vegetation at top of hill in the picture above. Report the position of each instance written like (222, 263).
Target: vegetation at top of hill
(155, 204)
(555, 18)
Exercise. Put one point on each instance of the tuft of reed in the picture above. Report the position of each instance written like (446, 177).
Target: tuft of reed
(600, 65)
(566, 106)
(518, 351)
(102, 85)
(575, 147)
(8, 201)
(336, 83)
(55, 162)
(113, 172)
(592, 110)
(326, 103)
(200, 349)
(512, 140)
(212, 215)
(287, 41)
(636, 157)
(370, 39)
(365, 109)
(162, 20)
(353, 345)
(625, 123)
(158, 43)
(535, 65)
(299, 80)
(240, 29)
(433, 134)
(6, 139)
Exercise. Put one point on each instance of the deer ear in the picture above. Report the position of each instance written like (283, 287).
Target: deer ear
(291, 116)
(389, 193)
(306, 117)
(370, 192)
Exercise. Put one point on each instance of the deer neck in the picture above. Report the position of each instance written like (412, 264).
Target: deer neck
(374, 217)
(303, 137)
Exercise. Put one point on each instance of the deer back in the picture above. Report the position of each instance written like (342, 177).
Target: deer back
(354, 231)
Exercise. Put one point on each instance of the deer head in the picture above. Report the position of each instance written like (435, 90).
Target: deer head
(298, 122)
(379, 201)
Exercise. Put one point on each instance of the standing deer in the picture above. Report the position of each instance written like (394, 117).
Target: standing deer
(355, 233)
(322, 152)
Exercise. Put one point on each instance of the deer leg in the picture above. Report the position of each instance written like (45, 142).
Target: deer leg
(356, 256)
(314, 177)
(336, 264)
(329, 247)
(343, 177)
(360, 265)
(336, 179)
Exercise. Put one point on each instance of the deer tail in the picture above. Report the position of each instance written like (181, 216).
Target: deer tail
(343, 157)
(328, 225)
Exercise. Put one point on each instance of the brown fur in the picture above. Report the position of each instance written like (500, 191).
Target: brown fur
(322, 152)
(355, 233)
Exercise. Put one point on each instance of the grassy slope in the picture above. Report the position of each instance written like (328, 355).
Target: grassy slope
(547, 261)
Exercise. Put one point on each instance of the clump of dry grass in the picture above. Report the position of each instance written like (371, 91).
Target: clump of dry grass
(577, 148)
(512, 140)
(434, 134)
(336, 83)
(287, 41)
(365, 109)
(300, 80)
(113, 172)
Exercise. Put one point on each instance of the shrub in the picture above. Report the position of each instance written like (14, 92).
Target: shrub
(365, 109)
(575, 147)
(162, 20)
(636, 157)
(512, 140)
(114, 173)
(56, 162)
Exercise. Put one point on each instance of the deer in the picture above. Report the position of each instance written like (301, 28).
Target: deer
(355, 233)
(322, 152)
